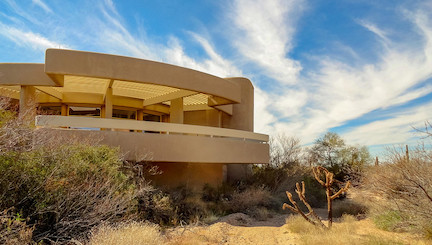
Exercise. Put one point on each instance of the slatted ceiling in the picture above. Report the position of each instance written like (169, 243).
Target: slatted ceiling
(157, 90)
(196, 99)
(143, 91)
(85, 84)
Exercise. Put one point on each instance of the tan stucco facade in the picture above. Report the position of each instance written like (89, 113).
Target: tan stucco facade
(198, 128)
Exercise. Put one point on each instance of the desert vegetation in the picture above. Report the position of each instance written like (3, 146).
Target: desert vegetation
(82, 192)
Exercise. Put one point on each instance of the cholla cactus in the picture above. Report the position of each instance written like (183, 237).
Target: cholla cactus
(311, 216)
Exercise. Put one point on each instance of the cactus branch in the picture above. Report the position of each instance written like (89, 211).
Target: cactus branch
(315, 220)
(300, 190)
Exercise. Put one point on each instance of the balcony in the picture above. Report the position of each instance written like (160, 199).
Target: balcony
(165, 142)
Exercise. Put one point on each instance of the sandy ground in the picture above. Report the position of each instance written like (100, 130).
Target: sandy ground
(237, 229)
(241, 229)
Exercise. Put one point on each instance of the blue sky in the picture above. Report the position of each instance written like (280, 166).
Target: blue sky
(361, 68)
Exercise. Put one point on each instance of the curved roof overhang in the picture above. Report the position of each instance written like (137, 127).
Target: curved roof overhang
(32, 74)
(59, 62)
(76, 77)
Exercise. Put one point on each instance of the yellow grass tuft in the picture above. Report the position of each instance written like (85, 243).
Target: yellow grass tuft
(348, 231)
(127, 234)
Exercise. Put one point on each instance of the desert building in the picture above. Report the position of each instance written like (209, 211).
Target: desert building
(197, 128)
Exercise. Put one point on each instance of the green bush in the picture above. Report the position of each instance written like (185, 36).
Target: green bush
(64, 191)
(388, 221)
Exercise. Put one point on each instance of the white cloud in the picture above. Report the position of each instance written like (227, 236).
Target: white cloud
(263, 119)
(42, 5)
(215, 65)
(337, 92)
(374, 29)
(29, 39)
(112, 34)
(263, 34)
(395, 130)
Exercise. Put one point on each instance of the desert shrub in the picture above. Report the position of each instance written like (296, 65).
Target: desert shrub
(405, 187)
(132, 233)
(67, 190)
(155, 206)
(61, 190)
(350, 207)
(176, 206)
(249, 199)
(13, 229)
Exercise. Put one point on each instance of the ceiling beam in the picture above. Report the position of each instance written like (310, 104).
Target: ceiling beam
(159, 108)
(228, 109)
(198, 107)
(50, 91)
(170, 96)
(108, 85)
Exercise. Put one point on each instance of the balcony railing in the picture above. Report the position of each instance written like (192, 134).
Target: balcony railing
(144, 126)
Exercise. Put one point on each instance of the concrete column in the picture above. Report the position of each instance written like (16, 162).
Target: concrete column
(64, 110)
(242, 119)
(108, 103)
(140, 115)
(27, 102)
(176, 111)
(102, 112)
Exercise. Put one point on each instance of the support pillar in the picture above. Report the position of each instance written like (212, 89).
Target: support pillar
(64, 110)
(176, 111)
(108, 103)
(140, 115)
(27, 102)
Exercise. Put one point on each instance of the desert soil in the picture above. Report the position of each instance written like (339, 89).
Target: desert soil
(241, 229)
(237, 229)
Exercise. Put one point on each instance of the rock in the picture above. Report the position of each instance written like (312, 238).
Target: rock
(237, 219)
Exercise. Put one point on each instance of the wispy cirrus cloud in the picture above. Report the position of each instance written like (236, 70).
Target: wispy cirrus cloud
(397, 129)
(29, 39)
(113, 34)
(374, 29)
(107, 30)
(41, 4)
(263, 33)
(340, 92)
(334, 92)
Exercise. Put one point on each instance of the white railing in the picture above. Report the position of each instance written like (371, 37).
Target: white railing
(88, 122)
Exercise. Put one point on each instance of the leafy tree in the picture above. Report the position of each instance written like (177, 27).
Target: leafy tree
(333, 153)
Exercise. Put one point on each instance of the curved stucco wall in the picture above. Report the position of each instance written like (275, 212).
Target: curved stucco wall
(59, 62)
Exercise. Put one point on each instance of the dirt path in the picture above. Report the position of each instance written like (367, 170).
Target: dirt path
(259, 232)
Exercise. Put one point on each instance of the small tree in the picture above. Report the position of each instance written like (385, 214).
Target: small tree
(333, 153)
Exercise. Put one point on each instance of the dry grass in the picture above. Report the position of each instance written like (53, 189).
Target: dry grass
(127, 234)
(348, 231)
(249, 199)
(14, 230)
